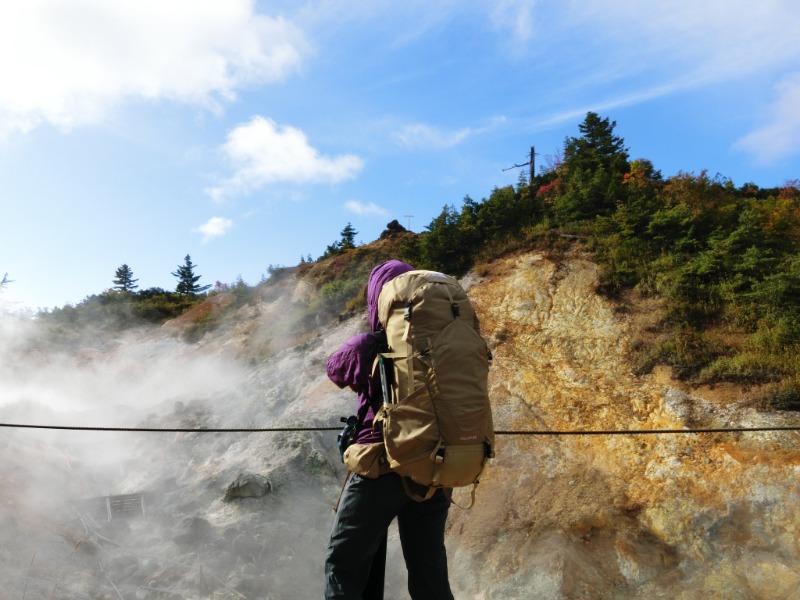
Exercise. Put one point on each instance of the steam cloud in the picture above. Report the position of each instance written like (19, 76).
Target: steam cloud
(190, 542)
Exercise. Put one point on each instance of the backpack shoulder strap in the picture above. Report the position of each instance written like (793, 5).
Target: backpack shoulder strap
(379, 338)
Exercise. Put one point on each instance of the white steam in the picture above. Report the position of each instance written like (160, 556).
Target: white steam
(55, 531)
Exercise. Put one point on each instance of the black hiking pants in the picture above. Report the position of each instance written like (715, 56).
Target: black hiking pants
(367, 508)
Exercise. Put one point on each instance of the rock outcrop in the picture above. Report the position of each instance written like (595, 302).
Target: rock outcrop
(610, 516)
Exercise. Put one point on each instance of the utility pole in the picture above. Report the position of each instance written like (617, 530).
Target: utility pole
(409, 221)
(533, 165)
(531, 162)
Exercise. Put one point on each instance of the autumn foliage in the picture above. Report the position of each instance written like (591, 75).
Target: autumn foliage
(721, 258)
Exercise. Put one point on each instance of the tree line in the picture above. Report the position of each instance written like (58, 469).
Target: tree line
(724, 260)
(187, 280)
(125, 305)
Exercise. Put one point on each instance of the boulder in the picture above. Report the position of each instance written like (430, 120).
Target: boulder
(248, 485)
(192, 530)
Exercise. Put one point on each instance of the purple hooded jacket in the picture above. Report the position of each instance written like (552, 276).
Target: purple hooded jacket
(351, 365)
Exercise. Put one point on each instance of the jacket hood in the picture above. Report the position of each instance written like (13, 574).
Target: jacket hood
(379, 276)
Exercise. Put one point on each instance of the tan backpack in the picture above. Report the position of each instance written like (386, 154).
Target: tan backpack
(436, 416)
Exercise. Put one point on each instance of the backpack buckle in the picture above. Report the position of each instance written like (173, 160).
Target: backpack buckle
(408, 312)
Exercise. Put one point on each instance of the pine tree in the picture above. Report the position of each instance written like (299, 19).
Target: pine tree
(594, 166)
(445, 246)
(187, 280)
(348, 238)
(123, 279)
(597, 147)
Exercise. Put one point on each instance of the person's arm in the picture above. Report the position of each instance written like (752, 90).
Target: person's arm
(350, 365)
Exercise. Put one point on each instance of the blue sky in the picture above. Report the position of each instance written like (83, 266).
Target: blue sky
(250, 133)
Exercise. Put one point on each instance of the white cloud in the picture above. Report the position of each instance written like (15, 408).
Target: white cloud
(516, 16)
(640, 50)
(780, 136)
(613, 53)
(214, 227)
(263, 152)
(419, 135)
(68, 63)
(724, 38)
(717, 39)
(637, 97)
(362, 209)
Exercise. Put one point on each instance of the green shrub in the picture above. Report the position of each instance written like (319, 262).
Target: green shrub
(686, 351)
(744, 368)
(785, 396)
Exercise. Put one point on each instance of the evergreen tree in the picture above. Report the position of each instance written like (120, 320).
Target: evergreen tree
(501, 215)
(348, 238)
(348, 235)
(187, 280)
(123, 279)
(594, 165)
(522, 181)
(444, 246)
(597, 147)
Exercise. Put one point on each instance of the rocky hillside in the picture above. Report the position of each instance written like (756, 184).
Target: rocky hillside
(247, 515)
(622, 516)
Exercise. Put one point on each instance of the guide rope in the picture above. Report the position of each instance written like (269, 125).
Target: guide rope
(308, 429)
(169, 429)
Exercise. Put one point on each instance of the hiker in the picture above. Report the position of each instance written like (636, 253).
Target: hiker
(353, 567)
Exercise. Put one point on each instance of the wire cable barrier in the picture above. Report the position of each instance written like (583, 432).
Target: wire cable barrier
(498, 432)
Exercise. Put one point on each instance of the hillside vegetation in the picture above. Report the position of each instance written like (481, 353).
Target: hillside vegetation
(721, 262)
